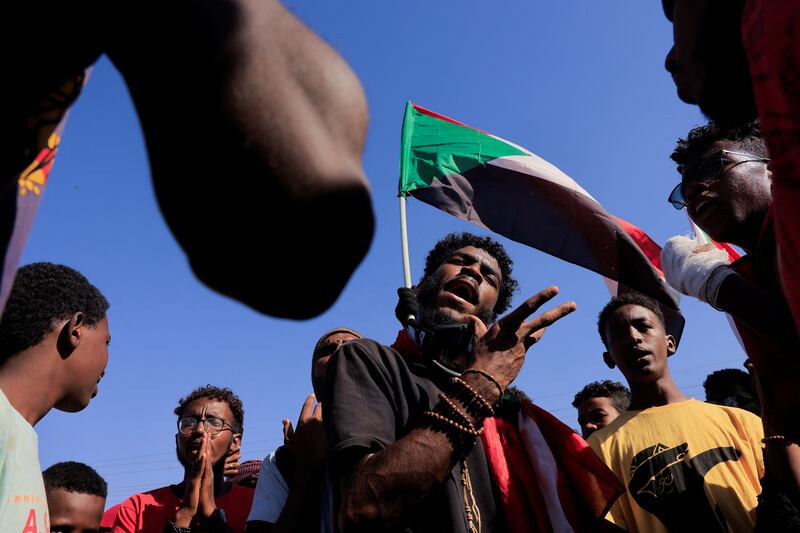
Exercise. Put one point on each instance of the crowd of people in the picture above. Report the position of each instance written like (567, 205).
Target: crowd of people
(427, 433)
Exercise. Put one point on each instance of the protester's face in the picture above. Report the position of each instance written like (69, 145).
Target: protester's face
(638, 344)
(74, 512)
(728, 207)
(467, 283)
(707, 62)
(188, 446)
(595, 413)
(87, 364)
(323, 355)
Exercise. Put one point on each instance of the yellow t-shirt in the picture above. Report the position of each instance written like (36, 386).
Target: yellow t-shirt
(688, 466)
(23, 504)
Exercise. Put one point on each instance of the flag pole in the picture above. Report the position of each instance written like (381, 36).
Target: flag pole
(404, 244)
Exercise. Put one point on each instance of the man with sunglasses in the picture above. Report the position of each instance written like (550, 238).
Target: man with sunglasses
(726, 187)
(210, 425)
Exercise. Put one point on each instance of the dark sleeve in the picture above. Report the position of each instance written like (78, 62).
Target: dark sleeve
(778, 510)
(361, 408)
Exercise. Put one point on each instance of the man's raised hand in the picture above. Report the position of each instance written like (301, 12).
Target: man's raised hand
(500, 350)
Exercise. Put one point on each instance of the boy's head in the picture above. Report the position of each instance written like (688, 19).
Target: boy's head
(600, 402)
(732, 387)
(326, 346)
(631, 327)
(76, 496)
(725, 183)
(55, 311)
(216, 411)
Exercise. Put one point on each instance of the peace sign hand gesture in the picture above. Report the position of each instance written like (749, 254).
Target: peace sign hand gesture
(500, 350)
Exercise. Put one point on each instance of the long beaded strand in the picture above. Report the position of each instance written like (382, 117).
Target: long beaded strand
(470, 505)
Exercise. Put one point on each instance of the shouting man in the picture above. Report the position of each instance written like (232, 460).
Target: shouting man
(403, 420)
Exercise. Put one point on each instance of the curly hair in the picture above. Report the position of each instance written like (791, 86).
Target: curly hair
(222, 394)
(75, 477)
(628, 298)
(618, 393)
(728, 376)
(43, 294)
(747, 135)
(452, 242)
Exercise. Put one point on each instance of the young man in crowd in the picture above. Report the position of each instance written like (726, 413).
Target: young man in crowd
(732, 387)
(402, 421)
(53, 352)
(688, 465)
(210, 426)
(740, 60)
(76, 497)
(600, 402)
(726, 187)
(293, 493)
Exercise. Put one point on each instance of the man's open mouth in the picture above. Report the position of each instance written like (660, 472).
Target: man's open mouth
(464, 288)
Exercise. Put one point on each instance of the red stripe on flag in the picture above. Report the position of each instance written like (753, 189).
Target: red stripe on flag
(434, 114)
(647, 245)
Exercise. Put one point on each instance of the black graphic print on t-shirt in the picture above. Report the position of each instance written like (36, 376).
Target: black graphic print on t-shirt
(666, 483)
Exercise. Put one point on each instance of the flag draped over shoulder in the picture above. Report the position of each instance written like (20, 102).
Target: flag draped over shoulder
(548, 479)
(498, 185)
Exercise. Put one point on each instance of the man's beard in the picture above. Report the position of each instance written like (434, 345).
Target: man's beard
(432, 315)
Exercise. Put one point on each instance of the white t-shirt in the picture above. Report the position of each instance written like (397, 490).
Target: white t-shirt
(23, 504)
(272, 493)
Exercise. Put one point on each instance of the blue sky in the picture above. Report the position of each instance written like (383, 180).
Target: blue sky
(579, 83)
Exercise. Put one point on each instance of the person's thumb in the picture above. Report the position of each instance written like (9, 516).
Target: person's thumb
(478, 326)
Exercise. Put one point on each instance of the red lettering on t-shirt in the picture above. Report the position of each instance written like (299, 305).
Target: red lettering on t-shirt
(30, 524)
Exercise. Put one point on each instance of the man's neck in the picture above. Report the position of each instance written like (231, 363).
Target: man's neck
(660, 392)
(29, 385)
(751, 234)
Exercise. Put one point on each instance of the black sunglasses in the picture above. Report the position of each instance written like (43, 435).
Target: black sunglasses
(710, 168)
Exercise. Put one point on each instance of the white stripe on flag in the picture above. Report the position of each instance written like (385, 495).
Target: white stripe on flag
(537, 167)
(544, 464)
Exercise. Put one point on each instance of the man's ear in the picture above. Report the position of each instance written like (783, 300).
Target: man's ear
(236, 443)
(71, 334)
(608, 360)
(671, 345)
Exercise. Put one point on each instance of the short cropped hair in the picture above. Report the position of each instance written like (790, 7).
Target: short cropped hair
(77, 477)
(43, 294)
(452, 242)
(748, 136)
(221, 394)
(618, 393)
(728, 376)
(628, 298)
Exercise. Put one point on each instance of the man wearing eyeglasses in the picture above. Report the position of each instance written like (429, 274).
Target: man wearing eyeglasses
(726, 187)
(210, 425)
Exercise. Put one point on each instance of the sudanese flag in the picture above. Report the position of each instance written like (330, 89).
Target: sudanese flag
(500, 186)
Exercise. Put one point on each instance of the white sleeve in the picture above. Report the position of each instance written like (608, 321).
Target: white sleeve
(271, 492)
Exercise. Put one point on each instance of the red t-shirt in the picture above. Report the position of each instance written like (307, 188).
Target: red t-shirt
(769, 33)
(149, 512)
